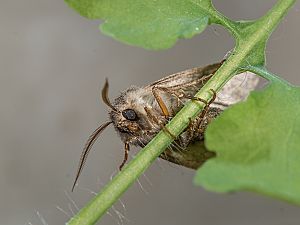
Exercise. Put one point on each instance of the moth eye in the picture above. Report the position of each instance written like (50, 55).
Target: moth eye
(129, 114)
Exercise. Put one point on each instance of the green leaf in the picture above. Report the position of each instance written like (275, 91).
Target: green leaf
(257, 145)
(152, 24)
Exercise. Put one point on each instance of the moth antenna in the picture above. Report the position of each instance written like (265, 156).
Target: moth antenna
(105, 96)
(87, 149)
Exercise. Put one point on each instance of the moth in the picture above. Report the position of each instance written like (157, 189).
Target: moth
(139, 113)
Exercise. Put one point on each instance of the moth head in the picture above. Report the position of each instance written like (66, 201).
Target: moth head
(130, 120)
(127, 113)
(124, 119)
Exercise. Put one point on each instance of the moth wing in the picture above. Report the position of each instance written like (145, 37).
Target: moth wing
(190, 77)
(236, 90)
(185, 83)
(190, 81)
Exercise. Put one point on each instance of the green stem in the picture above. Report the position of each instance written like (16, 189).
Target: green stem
(274, 16)
(122, 181)
(263, 72)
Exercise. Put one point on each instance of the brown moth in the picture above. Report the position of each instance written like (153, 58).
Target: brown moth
(139, 113)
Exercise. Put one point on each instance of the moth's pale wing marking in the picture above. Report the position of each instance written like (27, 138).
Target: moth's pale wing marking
(236, 90)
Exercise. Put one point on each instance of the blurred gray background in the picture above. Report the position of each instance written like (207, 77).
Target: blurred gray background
(53, 64)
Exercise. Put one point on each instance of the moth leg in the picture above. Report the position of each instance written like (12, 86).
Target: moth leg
(206, 108)
(202, 100)
(199, 121)
(126, 150)
(159, 123)
(191, 127)
(167, 90)
(213, 97)
(192, 130)
(181, 95)
(195, 127)
(160, 102)
(199, 129)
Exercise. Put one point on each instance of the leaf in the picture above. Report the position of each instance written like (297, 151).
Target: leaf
(152, 24)
(257, 145)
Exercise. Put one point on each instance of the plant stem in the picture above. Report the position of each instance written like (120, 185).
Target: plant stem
(121, 182)
(263, 72)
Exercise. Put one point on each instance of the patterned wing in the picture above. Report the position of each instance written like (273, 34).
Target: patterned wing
(188, 82)
(191, 78)
(170, 92)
